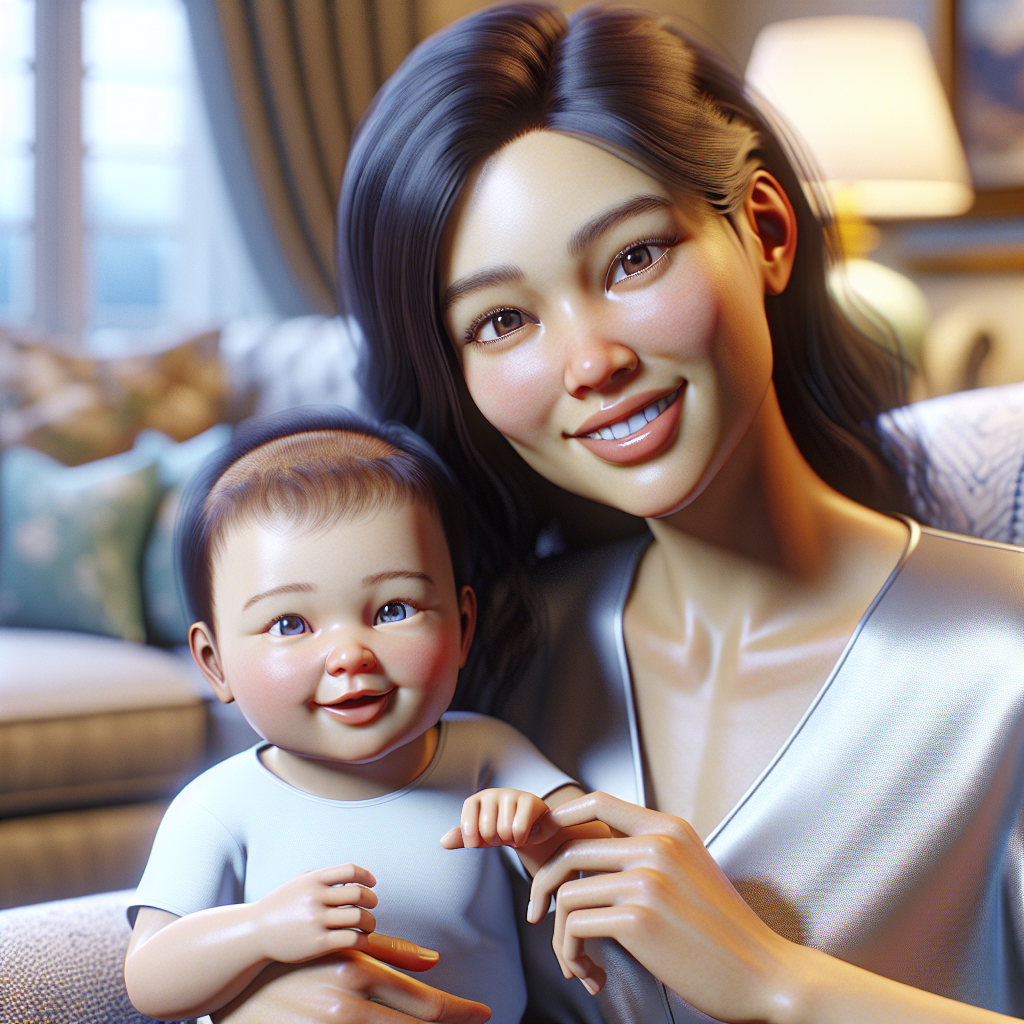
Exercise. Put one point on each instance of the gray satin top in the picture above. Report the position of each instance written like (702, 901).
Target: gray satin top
(886, 831)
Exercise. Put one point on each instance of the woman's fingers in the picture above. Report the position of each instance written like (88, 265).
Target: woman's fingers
(338, 989)
(576, 856)
(625, 818)
(401, 953)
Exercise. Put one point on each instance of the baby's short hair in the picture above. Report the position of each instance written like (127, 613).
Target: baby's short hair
(309, 468)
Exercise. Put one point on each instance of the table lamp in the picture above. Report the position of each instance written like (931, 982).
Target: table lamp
(864, 98)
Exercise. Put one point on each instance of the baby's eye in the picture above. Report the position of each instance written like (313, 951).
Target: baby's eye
(501, 322)
(393, 611)
(288, 625)
(635, 260)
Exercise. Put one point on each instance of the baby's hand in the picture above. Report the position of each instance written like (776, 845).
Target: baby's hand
(315, 913)
(501, 817)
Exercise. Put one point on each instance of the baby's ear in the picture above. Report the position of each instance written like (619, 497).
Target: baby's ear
(204, 652)
(467, 620)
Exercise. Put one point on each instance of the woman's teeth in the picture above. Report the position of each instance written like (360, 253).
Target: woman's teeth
(624, 428)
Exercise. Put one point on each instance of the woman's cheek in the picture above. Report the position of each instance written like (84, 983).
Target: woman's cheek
(514, 389)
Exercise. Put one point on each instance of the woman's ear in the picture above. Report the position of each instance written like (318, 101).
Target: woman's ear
(467, 620)
(770, 214)
(204, 652)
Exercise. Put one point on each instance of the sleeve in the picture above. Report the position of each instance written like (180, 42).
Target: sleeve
(515, 763)
(195, 863)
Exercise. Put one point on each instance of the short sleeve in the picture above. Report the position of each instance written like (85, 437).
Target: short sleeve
(515, 763)
(195, 863)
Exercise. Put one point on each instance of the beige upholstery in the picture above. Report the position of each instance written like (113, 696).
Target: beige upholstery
(62, 963)
(72, 853)
(88, 721)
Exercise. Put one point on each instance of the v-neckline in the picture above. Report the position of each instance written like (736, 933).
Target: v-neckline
(626, 676)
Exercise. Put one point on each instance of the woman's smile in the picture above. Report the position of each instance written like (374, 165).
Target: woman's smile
(633, 437)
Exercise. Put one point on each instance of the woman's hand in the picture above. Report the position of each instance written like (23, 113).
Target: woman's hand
(338, 989)
(656, 890)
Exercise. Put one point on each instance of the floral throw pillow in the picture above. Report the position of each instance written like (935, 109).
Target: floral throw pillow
(72, 540)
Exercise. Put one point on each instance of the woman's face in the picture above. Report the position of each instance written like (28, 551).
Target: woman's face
(615, 334)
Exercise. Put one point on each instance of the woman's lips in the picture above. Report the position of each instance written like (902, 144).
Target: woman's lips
(360, 709)
(638, 441)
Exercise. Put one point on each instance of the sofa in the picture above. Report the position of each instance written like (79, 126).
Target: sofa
(102, 714)
(963, 456)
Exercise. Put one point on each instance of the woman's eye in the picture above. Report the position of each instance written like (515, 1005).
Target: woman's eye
(393, 611)
(288, 625)
(496, 325)
(635, 260)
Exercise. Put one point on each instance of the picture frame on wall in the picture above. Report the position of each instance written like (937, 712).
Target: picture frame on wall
(987, 65)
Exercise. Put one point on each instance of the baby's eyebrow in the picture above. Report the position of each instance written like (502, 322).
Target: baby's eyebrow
(397, 574)
(288, 588)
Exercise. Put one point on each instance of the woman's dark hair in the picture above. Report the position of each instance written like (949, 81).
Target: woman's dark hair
(312, 467)
(633, 83)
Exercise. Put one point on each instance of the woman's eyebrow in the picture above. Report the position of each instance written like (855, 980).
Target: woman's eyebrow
(484, 279)
(603, 221)
(288, 588)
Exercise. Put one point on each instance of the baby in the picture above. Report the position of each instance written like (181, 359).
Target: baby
(325, 560)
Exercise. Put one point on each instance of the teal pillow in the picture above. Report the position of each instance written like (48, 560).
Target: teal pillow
(72, 539)
(167, 618)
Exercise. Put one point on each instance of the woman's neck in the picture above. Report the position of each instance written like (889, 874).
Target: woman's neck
(768, 521)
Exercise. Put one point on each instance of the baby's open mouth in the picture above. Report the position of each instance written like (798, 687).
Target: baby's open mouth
(630, 425)
(360, 708)
(361, 699)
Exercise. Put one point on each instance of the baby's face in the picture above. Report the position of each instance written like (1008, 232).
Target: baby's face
(341, 644)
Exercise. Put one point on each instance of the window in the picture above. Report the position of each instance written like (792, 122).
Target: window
(127, 239)
(16, 136)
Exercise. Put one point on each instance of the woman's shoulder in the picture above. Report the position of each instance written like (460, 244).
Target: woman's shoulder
(960, 587)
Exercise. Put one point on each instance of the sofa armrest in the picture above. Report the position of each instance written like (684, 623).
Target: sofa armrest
(64, 961)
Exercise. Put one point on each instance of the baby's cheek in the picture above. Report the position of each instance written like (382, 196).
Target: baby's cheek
(267, 686)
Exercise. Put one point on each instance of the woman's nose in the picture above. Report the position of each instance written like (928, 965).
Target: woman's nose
(593, 364)
(351, 657)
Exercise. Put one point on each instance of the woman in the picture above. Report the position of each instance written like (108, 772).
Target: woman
(588, 237)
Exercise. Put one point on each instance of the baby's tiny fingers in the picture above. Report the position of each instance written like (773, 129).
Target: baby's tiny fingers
(452, 839)
(508, 808)
(341, 874)
(349, 895)
(350, 917)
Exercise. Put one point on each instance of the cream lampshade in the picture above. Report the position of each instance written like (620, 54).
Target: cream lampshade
(864, 98)
(864, 95)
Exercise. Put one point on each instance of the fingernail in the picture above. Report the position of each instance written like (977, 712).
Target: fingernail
(590, 985)
(428, 954)
(529, 911)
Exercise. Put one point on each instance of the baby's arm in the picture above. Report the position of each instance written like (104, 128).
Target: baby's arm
(189, 966)
(510, 817)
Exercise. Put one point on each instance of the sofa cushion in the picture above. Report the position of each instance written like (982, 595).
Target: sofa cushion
(72, 539)
(64, 961)
(962, 456)
(86, 720)
(167, 618)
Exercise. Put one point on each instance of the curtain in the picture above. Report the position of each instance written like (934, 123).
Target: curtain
(286, 82)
